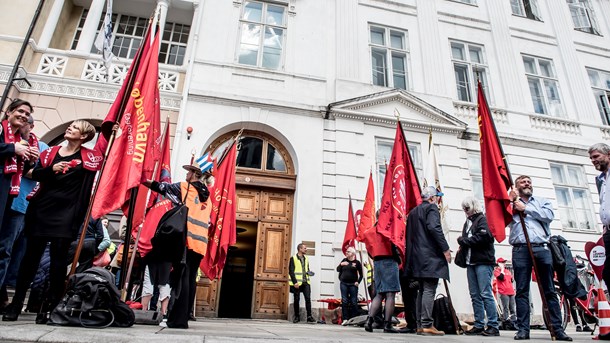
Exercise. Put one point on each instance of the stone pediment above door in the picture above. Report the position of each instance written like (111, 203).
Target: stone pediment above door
(381, 108)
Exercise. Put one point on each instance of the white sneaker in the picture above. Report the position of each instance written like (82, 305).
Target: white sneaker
(163, 322)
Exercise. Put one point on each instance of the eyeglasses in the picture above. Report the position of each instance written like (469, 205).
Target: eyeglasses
(466, 209)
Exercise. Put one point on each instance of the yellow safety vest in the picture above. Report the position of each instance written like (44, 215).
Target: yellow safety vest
(299, 270)
(198, 219)
(369, 275)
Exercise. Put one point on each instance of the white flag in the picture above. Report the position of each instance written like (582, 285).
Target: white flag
(104, 38)
(431, 178)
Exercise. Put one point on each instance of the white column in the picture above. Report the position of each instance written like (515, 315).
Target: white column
(87, 35)
(435, 80)
(163, 6)
(51, 24)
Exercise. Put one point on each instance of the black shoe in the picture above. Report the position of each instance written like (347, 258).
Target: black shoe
(561, 336)
(474, 331)
(388, 328)
(587, 328)
(12, 312)
(42, 318)
(521, 335)
(407, 330)
(491, 331)
(310, 319)
(578, 328)
(192, 318)
(368, 326)
(296, 319)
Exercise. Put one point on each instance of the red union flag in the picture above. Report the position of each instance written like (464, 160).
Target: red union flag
(401, 193)
(222, 219)
(136, 146)
(367, 214)
(350, 229)
(494, 169)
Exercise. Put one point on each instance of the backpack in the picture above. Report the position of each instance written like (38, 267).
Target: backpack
(169, 241)
(443, 318)
(92, 301)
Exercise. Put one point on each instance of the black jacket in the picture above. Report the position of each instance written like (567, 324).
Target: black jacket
(481, 243)
(425, 244)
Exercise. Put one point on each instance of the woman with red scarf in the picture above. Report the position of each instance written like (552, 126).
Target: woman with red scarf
(56, 212)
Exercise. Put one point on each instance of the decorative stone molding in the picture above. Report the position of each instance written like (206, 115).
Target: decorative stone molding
(168, 81)
(555, 124)
(469, 110)
(118, 73)
(605, 133)
(53, 65)
(94, 71)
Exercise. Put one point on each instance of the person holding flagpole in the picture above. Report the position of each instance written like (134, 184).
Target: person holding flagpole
(195, 191)
(537, 214)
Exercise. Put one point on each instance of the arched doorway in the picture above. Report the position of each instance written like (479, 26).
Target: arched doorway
(254, 282)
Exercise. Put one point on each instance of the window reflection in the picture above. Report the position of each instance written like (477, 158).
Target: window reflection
(250, 154)
(275, 161)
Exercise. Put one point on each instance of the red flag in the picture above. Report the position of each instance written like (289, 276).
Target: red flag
(222, 220)
(496, 177)
(401, 193)
(350, 229)
(367, 215)
(136, 146)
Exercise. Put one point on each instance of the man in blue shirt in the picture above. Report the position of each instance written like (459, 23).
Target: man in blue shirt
(537, 213)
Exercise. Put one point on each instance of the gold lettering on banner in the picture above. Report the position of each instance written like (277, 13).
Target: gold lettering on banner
(141, 125)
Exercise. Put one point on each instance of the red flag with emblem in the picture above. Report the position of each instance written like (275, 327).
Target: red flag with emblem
(495, 173)
(222, 231)
(350, 230)
(401, 193)
(136, 146)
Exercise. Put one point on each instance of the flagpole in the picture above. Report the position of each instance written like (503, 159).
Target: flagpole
(366, 286)
(124, 100)
(127, 241)
(545, 308)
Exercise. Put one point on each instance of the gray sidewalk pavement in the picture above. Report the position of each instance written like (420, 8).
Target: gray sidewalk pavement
(207, 330)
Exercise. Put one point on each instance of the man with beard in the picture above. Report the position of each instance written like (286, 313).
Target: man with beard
(599, 154)
(537, 213)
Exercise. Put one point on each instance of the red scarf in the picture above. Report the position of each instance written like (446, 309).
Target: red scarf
(13, 165)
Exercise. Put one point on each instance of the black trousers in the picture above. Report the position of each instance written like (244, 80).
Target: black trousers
(409, 288)
(182, 306)
(59, 260)
(305, 289)
(606, 272)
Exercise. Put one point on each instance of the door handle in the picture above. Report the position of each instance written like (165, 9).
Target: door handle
(258, 275)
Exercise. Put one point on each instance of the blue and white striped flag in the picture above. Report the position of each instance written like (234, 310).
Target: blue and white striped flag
(205, 162)
(103, 42)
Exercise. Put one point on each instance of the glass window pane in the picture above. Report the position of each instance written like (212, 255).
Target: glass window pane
(379, 67)
(568, 218)
(477, 189)
(553, 98)
(537, 97)
(462, 81)
(515, 6)
(377, 36)
(563, 196)
(557, 174)
(397, 40)
(457, 51)
(253, 11)
(476, 55)
(384, 152)
(474, 164)
(275, 15)
(546, 68)
(250, 154)
(250, 39)
(575, 176)
(275, 161)
(530, 65)
(272, 49)
(594, 78)
(581, 200)
(398, 71)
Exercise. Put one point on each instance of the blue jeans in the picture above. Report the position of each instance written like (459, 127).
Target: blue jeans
(17, 253)
(479, 285)
(11, 226)
(349, 300)
(522, 265)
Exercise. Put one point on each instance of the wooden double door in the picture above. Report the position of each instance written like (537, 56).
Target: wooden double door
(270, 212)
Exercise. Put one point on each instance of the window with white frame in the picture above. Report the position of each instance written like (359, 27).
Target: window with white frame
(543, 85)
(600, 81)
(389, 57)
(128, 32)
(384, 153)
(583, 16)
(262, 34)
(526, 8)
(469, 65)
(573, 199)
(476, 175)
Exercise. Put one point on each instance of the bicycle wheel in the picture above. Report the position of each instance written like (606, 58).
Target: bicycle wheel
(564, 308)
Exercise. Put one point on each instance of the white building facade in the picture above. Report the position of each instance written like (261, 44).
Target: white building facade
(315, 85)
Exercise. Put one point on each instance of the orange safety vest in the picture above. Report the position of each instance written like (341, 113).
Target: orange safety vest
(198, 220)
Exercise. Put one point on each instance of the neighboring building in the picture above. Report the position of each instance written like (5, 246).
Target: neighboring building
(315, 85)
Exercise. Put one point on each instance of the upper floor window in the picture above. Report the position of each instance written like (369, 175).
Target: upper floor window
(600, 81)
(128, 32)
(476, 175)
(384, 153)
(469, 65)
(389, 57)
(583, 16)
(263, 31)
(543, 85)
(526, 8)
(573, 199)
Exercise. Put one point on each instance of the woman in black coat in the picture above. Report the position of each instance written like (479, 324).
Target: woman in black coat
(477, 243)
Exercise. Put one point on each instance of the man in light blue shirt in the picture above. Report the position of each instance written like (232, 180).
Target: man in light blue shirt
(537, 213)
(599, 154)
